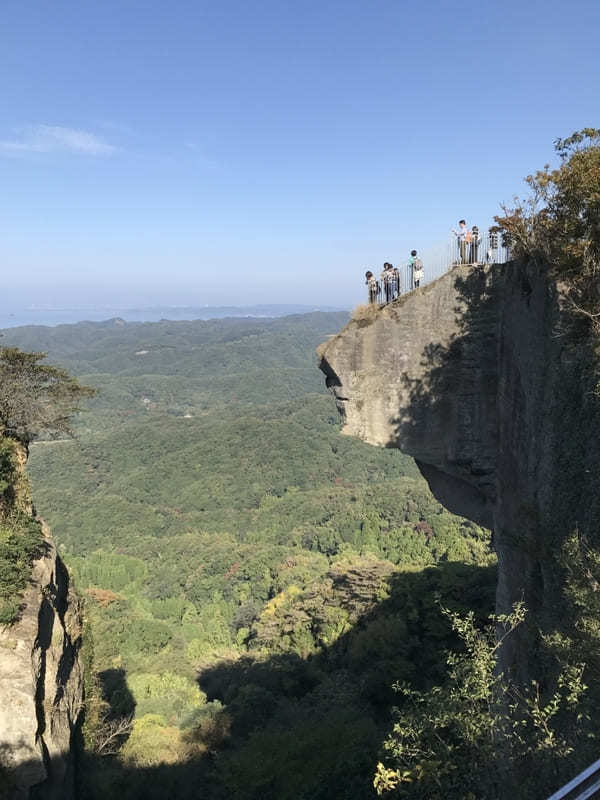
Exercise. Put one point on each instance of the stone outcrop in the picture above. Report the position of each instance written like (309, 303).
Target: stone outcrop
(41, 673)
(488, 383)
(41, 685)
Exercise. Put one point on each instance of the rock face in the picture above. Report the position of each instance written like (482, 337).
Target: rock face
(41, 687)
(481, 378)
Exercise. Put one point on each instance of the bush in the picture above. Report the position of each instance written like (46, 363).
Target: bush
(559, 224)
(21, 541)
(172, 696)
(445, 741)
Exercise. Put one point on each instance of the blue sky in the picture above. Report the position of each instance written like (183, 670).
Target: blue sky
(192, 152)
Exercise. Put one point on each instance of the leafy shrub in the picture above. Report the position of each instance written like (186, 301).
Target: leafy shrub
(172, 696)
(21, 542)
(7, 467)
(559, 224)
(445, 741)
(153, 742)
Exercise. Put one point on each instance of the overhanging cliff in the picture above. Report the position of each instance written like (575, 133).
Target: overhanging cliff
(484, 379)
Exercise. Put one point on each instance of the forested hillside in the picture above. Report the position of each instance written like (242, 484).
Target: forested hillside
(255, 582)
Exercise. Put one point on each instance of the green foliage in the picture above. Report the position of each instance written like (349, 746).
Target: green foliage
(445, 741)
(7, 465)
(318, 759)
(173, 696)
(559, 224)
(35, 397)
(222, 530)
(95, 705)
(153, 742)
(395, 630)
(109, 570)
(21, 542)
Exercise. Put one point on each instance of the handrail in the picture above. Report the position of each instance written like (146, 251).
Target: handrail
(484, 248)
(587, 784)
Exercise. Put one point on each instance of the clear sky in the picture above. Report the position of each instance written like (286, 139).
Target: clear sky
(192, 152)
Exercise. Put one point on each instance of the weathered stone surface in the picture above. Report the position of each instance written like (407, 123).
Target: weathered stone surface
(41, 685)
(476, 378)
(406, 378)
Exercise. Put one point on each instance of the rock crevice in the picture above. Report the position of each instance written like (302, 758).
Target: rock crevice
(41, 678)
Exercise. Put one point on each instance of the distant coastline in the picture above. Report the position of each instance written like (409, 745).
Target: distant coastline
(17, 317)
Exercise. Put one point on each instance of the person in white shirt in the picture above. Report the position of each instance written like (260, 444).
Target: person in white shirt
(416, 269)
(463, 236)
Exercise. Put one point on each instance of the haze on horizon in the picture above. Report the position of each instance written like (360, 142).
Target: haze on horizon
(230, 153)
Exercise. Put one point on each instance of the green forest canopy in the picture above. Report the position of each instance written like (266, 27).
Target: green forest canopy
(217, 522)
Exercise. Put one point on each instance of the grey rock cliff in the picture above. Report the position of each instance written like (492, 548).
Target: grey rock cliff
(41, 686)
(478, 377)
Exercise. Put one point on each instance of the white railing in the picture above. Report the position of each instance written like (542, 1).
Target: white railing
(585, 785)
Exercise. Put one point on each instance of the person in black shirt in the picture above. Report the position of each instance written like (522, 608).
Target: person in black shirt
(474, 246)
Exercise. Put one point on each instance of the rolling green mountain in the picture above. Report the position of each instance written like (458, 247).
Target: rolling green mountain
(255, 582)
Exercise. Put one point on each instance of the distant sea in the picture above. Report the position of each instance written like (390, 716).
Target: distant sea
(15, 317)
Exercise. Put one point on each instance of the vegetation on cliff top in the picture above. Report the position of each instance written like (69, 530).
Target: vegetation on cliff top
(21, 542)
(34, 397)
(558, 225)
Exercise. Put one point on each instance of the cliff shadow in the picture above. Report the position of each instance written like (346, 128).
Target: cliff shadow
(452, 405)
(308, 727)
(312, 727)
(116, 692)
(518, 387)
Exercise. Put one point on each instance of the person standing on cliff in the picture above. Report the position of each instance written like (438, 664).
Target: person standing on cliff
(396, 289)
(372, 286)
(492, 251)
(463, 237)
(387, 279)
(475, 240)
(416, 269)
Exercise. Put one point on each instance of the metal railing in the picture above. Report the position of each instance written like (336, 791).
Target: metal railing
(480, 248)
(584, 786)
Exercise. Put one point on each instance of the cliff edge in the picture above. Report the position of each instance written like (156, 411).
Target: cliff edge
(483, 378)
(41, 674)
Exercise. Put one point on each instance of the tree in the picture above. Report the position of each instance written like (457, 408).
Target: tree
(479, 734)
(559, 224)
(112, 733)
(35, 397)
